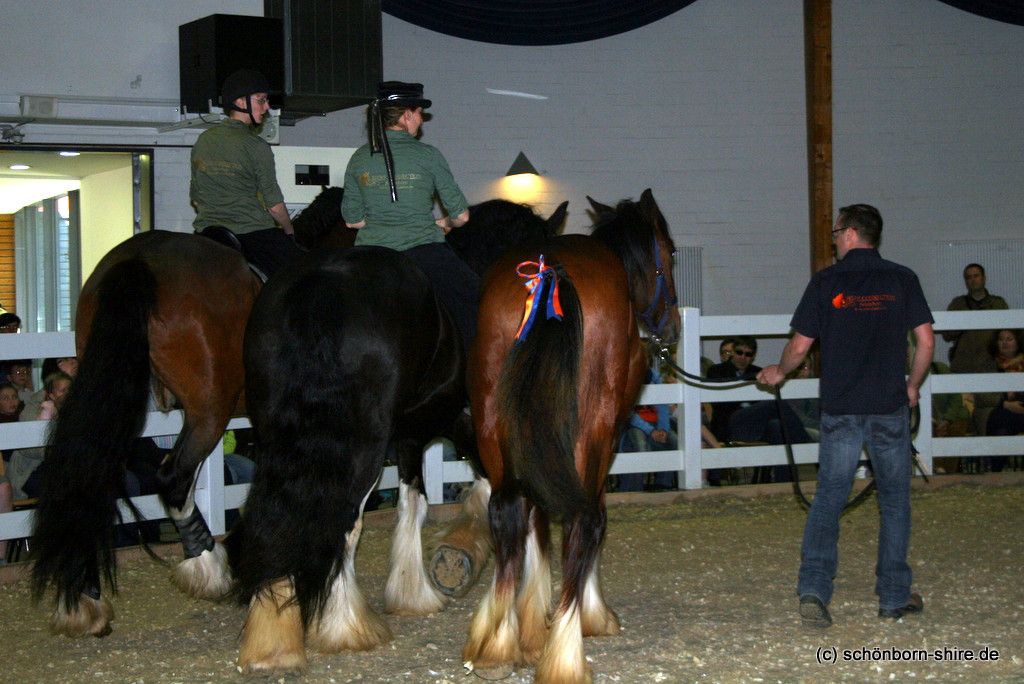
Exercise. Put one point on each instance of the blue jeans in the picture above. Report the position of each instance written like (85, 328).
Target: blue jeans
(887, 437)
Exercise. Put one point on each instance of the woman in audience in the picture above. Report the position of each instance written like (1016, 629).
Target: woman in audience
(23, 469)
(10, 409)
(1007, 418)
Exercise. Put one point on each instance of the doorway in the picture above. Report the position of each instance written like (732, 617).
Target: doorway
(67, 206)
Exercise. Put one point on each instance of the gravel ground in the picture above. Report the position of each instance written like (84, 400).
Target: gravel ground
(703, 584)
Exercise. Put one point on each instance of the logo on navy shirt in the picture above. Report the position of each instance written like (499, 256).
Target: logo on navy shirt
(863, 302)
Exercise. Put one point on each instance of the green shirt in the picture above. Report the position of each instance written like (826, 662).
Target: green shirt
(233, 179)
(420, 172)
(970, 353)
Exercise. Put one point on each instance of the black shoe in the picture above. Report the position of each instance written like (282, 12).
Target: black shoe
(813, 612)
(914, 605)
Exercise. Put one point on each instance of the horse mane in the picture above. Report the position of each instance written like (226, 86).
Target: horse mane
(628, 233)
(319, 218)
(493, 226)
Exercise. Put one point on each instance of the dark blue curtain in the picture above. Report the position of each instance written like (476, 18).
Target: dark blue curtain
(558, 22)
(532, 22)
(1009, 11)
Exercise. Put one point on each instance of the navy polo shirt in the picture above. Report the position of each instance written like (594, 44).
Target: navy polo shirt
(861, 310)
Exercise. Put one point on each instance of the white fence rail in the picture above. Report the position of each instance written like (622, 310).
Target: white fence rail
(213, 497)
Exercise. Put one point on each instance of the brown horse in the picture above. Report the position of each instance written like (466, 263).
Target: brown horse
(549, 391)
(166, 312)
(163, 314)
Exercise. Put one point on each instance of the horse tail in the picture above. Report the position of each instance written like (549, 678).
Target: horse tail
(537, 396)
(90, 440)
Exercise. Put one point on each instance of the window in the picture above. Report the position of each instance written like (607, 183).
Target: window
(47, 260)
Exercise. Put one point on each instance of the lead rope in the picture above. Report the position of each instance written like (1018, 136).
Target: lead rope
(791, 461)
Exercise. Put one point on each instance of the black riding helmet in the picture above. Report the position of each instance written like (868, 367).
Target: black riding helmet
(243, 83)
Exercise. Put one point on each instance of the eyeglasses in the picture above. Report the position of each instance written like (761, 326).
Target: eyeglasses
(748, 354)
(836, 231)
(10, 326)
(260, 100)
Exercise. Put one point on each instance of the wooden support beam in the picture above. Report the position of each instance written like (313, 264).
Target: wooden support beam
(818, 66)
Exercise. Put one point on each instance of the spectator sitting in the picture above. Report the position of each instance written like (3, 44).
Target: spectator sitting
(649, 429)
(951, 417)
(1007, 417)
(10, 405)
(725, 349)
(9, 323)
(238, 469)
(738, 365)
(19, 374)
(10, 409)
(23, 469)
(65, 364)
(756, 421)
(969, 353)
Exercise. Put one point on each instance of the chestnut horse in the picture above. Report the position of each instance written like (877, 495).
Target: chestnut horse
(347, 355)
(549, 391)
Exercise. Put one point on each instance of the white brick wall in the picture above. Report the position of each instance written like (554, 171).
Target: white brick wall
(706, 107)
(929, 105)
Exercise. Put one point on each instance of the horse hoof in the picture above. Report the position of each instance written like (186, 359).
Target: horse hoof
(280, 663)
(206, 576)
(451, 571)
(494, 673)
(89, 617)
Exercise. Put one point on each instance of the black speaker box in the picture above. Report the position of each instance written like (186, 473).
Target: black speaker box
(319, 55)
(333, 52)
(213, 47)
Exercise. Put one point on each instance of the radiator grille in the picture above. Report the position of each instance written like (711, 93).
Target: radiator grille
(1003, 261)
(687, 275)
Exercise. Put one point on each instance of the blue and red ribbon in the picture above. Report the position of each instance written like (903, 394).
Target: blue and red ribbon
(535, 284)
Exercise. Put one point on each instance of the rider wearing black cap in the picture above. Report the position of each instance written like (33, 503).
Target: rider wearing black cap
(390, 186)
(234, 184)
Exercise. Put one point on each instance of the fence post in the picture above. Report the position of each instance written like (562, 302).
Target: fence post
(923, 442)
(688, 357)
(209, 490)
(433, 472)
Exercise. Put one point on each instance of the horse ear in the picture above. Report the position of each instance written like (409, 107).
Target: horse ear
(601, 212)
(599, 209)
(557, 218)
(650, 209)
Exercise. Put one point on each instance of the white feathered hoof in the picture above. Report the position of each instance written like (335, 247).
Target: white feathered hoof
(205, 576)
(89, 617)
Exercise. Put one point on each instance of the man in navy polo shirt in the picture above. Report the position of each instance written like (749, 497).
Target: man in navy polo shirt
(861, 309)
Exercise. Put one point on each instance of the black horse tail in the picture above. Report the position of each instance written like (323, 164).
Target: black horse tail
(89, 442)
(538, 399)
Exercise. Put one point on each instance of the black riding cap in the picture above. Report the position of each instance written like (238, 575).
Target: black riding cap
(243, 83)
(398, 94)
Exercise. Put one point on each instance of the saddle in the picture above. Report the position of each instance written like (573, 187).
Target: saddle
(223, 236)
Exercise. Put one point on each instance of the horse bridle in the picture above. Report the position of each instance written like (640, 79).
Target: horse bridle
(661, 295)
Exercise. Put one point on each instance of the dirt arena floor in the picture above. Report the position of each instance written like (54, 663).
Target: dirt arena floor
(703, 583)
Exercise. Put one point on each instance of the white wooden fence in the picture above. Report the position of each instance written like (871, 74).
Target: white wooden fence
(213, 497)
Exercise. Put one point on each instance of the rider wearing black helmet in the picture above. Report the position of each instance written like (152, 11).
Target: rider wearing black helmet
(234, 184)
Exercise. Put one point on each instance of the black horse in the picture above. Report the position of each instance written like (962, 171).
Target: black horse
(348, 354)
